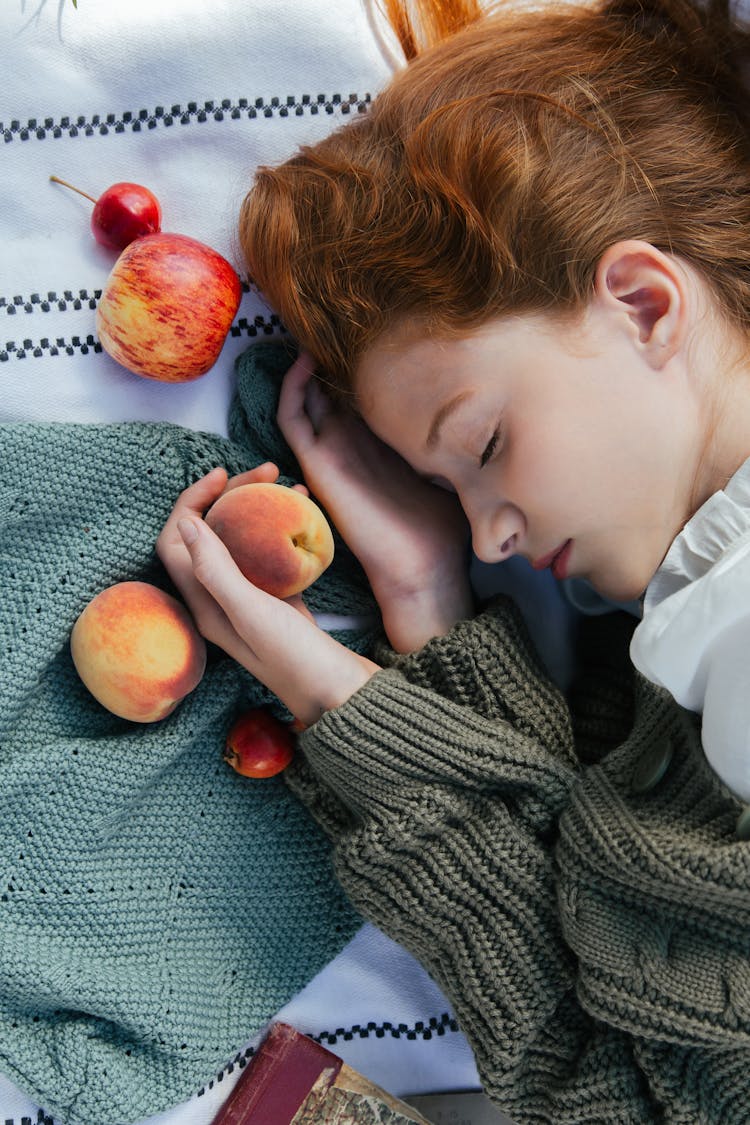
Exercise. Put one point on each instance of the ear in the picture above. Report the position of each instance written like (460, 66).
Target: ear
(647, 291)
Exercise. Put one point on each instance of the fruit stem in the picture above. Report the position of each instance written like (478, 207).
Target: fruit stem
(57, 180)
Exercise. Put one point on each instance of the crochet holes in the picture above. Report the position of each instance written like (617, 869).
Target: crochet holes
(19, 506)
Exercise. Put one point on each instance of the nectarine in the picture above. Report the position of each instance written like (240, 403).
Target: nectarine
(279, 538)
(138, 651)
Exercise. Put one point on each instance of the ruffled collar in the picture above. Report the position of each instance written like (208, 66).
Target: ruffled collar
(716, 526)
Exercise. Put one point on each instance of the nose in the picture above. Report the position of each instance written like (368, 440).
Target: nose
(496, 535)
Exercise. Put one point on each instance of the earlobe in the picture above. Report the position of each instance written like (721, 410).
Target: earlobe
(636, 281)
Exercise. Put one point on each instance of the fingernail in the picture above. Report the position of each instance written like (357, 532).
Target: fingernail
(188, 531)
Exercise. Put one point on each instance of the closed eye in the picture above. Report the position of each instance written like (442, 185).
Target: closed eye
(489, 448)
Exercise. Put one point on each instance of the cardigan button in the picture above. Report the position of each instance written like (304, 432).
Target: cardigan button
(743, 824)
(651, 767)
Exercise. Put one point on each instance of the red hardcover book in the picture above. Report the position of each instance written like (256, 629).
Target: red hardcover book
(292, 1080)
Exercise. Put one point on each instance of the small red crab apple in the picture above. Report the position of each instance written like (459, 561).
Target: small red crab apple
(259, 744)
(121, 214)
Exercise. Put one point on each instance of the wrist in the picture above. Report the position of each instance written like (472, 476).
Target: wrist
(328, 682)
(412, 618)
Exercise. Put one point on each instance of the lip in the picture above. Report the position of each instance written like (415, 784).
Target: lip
(557, 560)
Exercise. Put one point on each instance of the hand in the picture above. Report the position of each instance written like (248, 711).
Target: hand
(410, 536)
(277, 641)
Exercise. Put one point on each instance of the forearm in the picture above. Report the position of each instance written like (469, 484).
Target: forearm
(464, 709)
(412, 617)
(410, 537)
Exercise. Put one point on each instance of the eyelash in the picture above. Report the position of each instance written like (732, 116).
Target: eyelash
(490, 448)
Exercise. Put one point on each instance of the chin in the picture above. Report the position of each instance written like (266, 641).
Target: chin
(622, 564)
(620, 588)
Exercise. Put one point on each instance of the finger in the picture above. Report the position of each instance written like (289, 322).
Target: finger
(209, 555)
(266, 473)
(252, 612)
(211, 563)
(245, 605)
(202, 493)
(291, 414)
(318, 405)
(208, 615)
(195, 499)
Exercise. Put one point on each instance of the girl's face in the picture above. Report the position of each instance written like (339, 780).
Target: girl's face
(563, 444)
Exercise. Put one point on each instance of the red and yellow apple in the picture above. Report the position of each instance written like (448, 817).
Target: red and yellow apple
(259, 744)
(167, 306)
(279, 537)
(137, 650)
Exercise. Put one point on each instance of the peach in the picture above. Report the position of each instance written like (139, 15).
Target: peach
(138, 651)
(279, 538)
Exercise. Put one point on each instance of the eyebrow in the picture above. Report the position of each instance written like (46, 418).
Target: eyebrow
(433, 437)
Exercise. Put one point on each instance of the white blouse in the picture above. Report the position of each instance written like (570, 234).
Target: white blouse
(694, 637)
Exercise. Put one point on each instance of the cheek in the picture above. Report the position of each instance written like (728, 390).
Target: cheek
(562, 478)
(543, 465)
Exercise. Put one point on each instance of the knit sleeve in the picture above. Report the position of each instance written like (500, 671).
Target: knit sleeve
(590, 931)
(442, 780)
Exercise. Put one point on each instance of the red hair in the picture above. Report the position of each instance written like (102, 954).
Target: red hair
(425, 23)
(496, 167)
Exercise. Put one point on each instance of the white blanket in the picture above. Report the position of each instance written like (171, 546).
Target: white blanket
(188, 97)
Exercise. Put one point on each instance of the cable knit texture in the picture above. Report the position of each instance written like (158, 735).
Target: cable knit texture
(594, 938)
(156, 909)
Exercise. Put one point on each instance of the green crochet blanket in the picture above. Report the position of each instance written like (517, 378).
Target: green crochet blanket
(156, 909)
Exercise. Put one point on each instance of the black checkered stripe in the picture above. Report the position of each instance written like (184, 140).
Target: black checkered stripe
(50, 301)
(434, 1027)
(26, 347)
(191, 113)
(23, 346)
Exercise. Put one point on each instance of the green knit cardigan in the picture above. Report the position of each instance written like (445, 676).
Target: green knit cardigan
(156, 909)
(592, 929)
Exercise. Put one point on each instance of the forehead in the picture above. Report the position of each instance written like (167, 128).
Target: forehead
(408, 376)
(409, 368)
(404, 379)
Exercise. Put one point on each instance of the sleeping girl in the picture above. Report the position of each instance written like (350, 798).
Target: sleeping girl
(520, 286)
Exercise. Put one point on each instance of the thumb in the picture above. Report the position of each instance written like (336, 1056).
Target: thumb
(213, 565)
